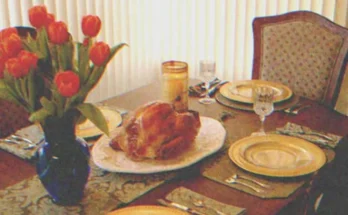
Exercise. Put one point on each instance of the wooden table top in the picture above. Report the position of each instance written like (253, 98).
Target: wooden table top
(318, 117)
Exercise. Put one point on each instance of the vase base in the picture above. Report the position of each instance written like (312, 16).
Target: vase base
(65, 203)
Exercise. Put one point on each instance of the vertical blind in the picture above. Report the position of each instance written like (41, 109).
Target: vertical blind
(161, 30)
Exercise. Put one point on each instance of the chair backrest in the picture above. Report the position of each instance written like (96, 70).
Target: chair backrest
(302, 50)
(13, 116)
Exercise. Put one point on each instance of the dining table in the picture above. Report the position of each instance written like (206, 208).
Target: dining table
(238, 124)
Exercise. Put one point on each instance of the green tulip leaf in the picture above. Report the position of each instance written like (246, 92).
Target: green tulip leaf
(114, 50)
(42, 40)
(92, 113)
(48, 105)
(39, 116)
(83, 63)
(66, 55)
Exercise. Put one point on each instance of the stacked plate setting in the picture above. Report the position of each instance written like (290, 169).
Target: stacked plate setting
(239, 94)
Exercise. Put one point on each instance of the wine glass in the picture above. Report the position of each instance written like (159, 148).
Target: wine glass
(207, 74)
(263, 104)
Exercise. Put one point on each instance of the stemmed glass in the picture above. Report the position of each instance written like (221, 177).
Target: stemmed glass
(263, 104)
(207, 74)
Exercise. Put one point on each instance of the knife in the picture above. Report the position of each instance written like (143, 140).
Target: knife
(179, 206)
(213, 90)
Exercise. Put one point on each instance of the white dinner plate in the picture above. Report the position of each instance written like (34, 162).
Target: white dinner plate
(210, 139)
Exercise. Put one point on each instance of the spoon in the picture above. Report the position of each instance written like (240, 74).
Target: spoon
(235, 181)
(33, 145)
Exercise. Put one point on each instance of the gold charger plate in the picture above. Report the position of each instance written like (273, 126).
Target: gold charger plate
(277, 155)
(249, 107)
(147, 210)
(88, 129)
(241, 91)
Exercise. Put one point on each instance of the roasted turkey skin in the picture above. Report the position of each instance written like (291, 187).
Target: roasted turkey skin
(156, 131)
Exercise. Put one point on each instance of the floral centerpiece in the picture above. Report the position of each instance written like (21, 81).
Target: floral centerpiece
(50, 75)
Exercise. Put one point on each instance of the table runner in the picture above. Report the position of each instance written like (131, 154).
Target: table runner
(104, 192)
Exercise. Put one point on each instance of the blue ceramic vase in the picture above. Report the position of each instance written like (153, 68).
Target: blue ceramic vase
(63, 161)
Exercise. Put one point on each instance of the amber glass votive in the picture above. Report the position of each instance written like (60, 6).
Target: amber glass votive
(175, 84)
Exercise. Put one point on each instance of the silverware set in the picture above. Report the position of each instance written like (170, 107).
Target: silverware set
(196, 202)
(294, 110)
(235, 179)
(27, 143)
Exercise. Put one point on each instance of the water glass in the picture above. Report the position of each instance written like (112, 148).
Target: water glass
(263, 103)
(207, 74)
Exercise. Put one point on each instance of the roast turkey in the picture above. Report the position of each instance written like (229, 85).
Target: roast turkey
(156, 131)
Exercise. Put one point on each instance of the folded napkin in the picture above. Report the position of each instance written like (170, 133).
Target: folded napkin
(33, 133)
(321, 138)
(199, 90)
(202, 203)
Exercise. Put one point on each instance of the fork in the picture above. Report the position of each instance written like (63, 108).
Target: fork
(294, 110)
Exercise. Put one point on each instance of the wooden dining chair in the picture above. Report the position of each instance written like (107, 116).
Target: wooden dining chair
(304, 51)
(13, 116)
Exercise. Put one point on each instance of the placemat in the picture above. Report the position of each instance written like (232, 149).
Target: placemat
(221, 167)
(202, 203)
(104, 192)
(249, 107)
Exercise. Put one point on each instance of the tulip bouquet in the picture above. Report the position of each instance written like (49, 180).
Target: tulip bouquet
(48, 73)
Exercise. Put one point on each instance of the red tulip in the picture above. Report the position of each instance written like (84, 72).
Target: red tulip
(58, 32)
(14, 67)
(99, 53)
(11, 46)
(91, 25)
(28, 60)
(38, 16)
(2, 66)
(68, 83)
(49, 19)
(5, 33)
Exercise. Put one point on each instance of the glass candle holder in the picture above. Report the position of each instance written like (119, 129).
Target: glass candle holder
(175, 84)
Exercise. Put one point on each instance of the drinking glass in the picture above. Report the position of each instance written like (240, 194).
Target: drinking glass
(263, 104)
(207, 74)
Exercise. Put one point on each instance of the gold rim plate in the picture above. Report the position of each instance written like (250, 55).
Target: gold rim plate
(87, 129)
(147, 210)
(241, 91)
(277, 155)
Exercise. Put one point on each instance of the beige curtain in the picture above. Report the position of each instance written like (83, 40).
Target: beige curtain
(160, 30)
